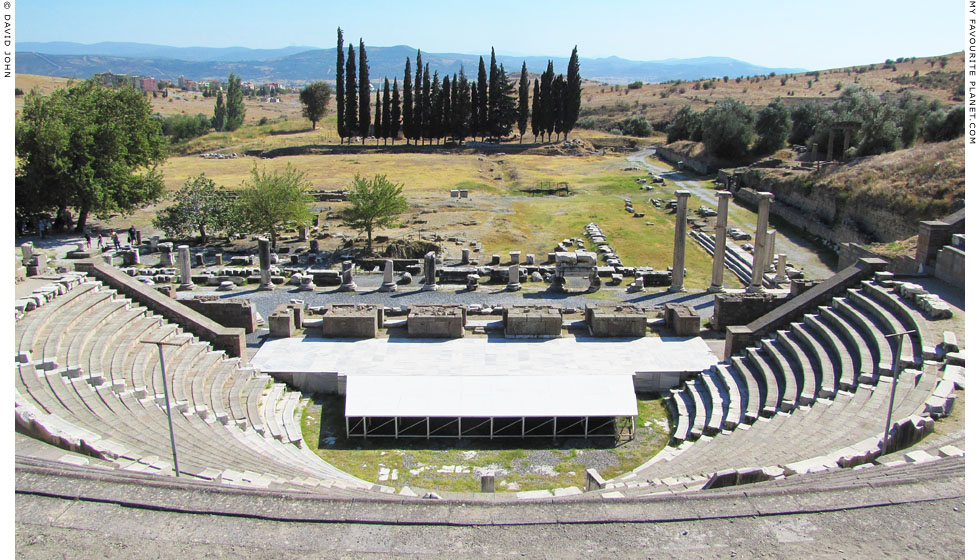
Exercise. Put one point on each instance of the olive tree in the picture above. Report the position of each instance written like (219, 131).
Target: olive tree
(374, 203)
(271, 202)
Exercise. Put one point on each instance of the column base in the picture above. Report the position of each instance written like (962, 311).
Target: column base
(676, 289)
(185, 287)
(266, 287)
(388, 287)
(352, 287)
(513, 287)
(754, 290)
(429, 287)
(715, 289)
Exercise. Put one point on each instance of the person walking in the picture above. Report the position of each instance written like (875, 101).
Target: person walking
(115, 240)
(101, 241)
(88, 240)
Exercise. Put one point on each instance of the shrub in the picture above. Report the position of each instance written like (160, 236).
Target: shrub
(635, 126)
(635, 85)
(727, 128)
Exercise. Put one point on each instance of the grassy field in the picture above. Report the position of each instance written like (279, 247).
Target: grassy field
(518, 465)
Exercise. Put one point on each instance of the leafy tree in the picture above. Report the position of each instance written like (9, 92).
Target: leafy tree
(461, 106)
(685, 126)
(727, 128)
(806, 119)
(772, 126)
(341, 124)
(504, 109)
(373, 204)
(408, 114)
(940, 125)
(385, 131)
(350, 95)
(522, 108)
(396, 114)
(87, 147)
(573, 93)
(364, 92)
(234, 104)
(314, 99)
(880, 130)
(199, 207)
(271, 202)
(218, 120)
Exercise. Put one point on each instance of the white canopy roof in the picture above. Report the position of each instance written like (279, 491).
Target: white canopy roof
(481, 396)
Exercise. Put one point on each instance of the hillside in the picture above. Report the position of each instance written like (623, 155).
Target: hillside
(657, 102)
(875, 199)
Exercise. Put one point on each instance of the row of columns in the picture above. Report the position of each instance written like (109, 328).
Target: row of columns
(763, 255)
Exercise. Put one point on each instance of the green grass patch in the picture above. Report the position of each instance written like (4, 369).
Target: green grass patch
(519, 464)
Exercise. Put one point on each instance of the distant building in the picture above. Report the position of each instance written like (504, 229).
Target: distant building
(148, 84)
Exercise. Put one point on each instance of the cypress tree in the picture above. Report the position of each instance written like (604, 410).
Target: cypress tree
(350, 95)
(536, 111)
(558, 104)
(234, 104)
(446, 97)
(573, 94)
(506, 104)
(474, 111)
(461, 106)
(419, 103)
(546, 122)
(341, 124)
(408, 117)
(452, 124)
(218, 121)
(425, 119)
(364, 92)
(377, 118)
(481, 99)
(522, 102)
(385, 114)
(493, 97)
(396, 114)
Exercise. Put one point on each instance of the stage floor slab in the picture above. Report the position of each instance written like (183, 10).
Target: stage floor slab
(483, 356)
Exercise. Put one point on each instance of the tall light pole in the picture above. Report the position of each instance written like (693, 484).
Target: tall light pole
(166, 395)
(896, 366)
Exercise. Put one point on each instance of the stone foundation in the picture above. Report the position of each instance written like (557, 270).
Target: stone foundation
(226, 312)
(742, 308)
(352, 321)
(532, 322)
(682, 319)
(621, 321)
(436, 321)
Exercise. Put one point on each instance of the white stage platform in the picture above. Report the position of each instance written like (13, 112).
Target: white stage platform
(484, 356)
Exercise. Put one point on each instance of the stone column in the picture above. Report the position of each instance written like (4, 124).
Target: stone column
(466, 257)
(780, 268)
(388, 282)
(770, 249)
(721, 239)
(166, 254)
(198, 259)
(514, 278)
(184, 254)
(26, 251)
(429, 272)
(680, 235)
(847, 142)
(529, 259)
(304, 233)
(515, 257)
(314, 245)
(347, 277)
(265, 261)
(219, 259)
(830, 145)
(139, 237)
(760, 252)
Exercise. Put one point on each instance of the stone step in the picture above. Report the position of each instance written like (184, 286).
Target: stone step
(754, 404)
(772, 400)
(826, 374)
(808, 389)
(783, 370)
(889, 324)
(880, 348)
(840, 354)
(927, 337)
(860, 351)
(719, 402)
(737, 397)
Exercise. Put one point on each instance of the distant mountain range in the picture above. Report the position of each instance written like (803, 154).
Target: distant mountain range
(301, 64)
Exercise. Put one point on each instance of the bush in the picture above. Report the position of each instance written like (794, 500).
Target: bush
(635, 85)
(183, 127)
(685, 126)
(636, 126)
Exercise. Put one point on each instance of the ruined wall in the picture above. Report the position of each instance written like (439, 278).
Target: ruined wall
(234, 312)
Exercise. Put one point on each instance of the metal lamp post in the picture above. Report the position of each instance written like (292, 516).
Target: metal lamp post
(896, 366)
(166, 395)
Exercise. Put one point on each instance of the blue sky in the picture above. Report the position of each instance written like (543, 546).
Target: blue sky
(813, 35)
